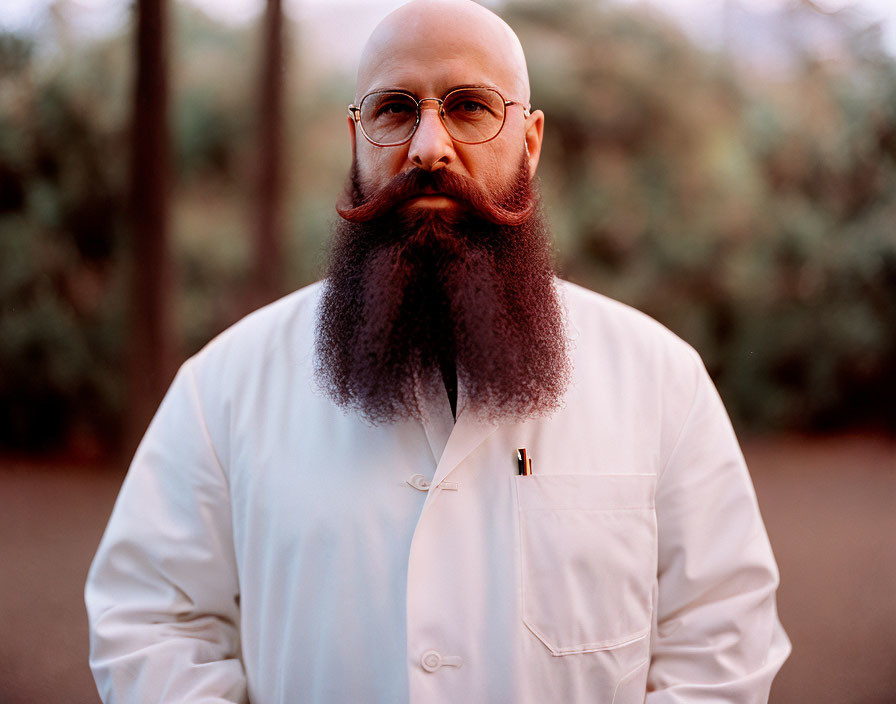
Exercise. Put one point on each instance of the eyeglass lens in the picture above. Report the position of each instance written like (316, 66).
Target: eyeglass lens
(469, 114)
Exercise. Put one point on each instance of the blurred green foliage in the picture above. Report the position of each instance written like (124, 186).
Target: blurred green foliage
(61, 207)
(752, 214)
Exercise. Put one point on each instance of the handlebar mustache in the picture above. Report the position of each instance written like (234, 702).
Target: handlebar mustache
(503, 209)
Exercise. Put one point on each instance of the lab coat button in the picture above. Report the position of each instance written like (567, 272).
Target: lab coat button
(432, 660)
(419, 482)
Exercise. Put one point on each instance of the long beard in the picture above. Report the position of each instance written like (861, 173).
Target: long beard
(409, 294)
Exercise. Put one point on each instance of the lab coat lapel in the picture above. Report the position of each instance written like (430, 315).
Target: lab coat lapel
(468, 433)
(438, 423)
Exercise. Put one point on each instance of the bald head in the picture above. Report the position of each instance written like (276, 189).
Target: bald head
(458, 38)
(429, 48)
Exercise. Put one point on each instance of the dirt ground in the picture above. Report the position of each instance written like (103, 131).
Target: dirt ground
(829, 505)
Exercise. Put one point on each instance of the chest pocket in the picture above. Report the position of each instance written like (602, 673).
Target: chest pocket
(588, 559)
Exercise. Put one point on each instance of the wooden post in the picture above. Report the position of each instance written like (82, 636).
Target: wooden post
(268, 254)
(150, 347)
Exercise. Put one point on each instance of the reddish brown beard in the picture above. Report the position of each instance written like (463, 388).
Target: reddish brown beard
(410, 292)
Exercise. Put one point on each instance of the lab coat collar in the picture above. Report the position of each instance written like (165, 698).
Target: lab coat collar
(468, 433)
(438, 422)
(450, 440)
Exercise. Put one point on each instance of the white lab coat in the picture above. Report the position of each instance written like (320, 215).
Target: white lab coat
(268, 546)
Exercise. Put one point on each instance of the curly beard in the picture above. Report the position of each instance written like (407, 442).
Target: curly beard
(410, 294)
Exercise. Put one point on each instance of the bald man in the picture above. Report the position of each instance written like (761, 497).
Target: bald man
(441, 475)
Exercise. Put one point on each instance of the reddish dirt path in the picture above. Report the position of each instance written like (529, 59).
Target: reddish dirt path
(829, 504)
(50, 524)
(830, 510)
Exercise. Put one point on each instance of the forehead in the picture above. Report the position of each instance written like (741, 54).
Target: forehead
(429, 60)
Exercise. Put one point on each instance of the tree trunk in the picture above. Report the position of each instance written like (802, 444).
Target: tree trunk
(150, 348)
(267, 270)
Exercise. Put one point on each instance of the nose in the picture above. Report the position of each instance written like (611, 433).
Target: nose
(431, 147)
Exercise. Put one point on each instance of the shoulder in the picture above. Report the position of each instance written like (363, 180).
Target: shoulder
(639, 377)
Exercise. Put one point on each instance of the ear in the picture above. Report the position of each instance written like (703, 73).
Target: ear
(534, 132)
(352, 134)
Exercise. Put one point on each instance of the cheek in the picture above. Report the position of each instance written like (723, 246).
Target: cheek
(376, 165)
(497, 166)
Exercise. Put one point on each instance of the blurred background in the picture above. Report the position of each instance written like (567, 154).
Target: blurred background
(727, 166)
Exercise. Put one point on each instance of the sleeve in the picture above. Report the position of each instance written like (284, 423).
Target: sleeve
(717, 637)
(162, 593)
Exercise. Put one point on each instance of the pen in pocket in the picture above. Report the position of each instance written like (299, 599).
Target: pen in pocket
(523, 462)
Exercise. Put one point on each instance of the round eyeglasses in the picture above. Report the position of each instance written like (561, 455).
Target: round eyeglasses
(470, 115)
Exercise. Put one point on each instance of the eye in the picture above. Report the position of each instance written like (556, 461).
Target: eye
(395, 108)
(473, 104)
(470, 106)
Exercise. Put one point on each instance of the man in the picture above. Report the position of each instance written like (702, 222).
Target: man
(442, 475)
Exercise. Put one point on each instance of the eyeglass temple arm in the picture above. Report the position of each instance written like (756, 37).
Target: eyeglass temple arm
(527, 109)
